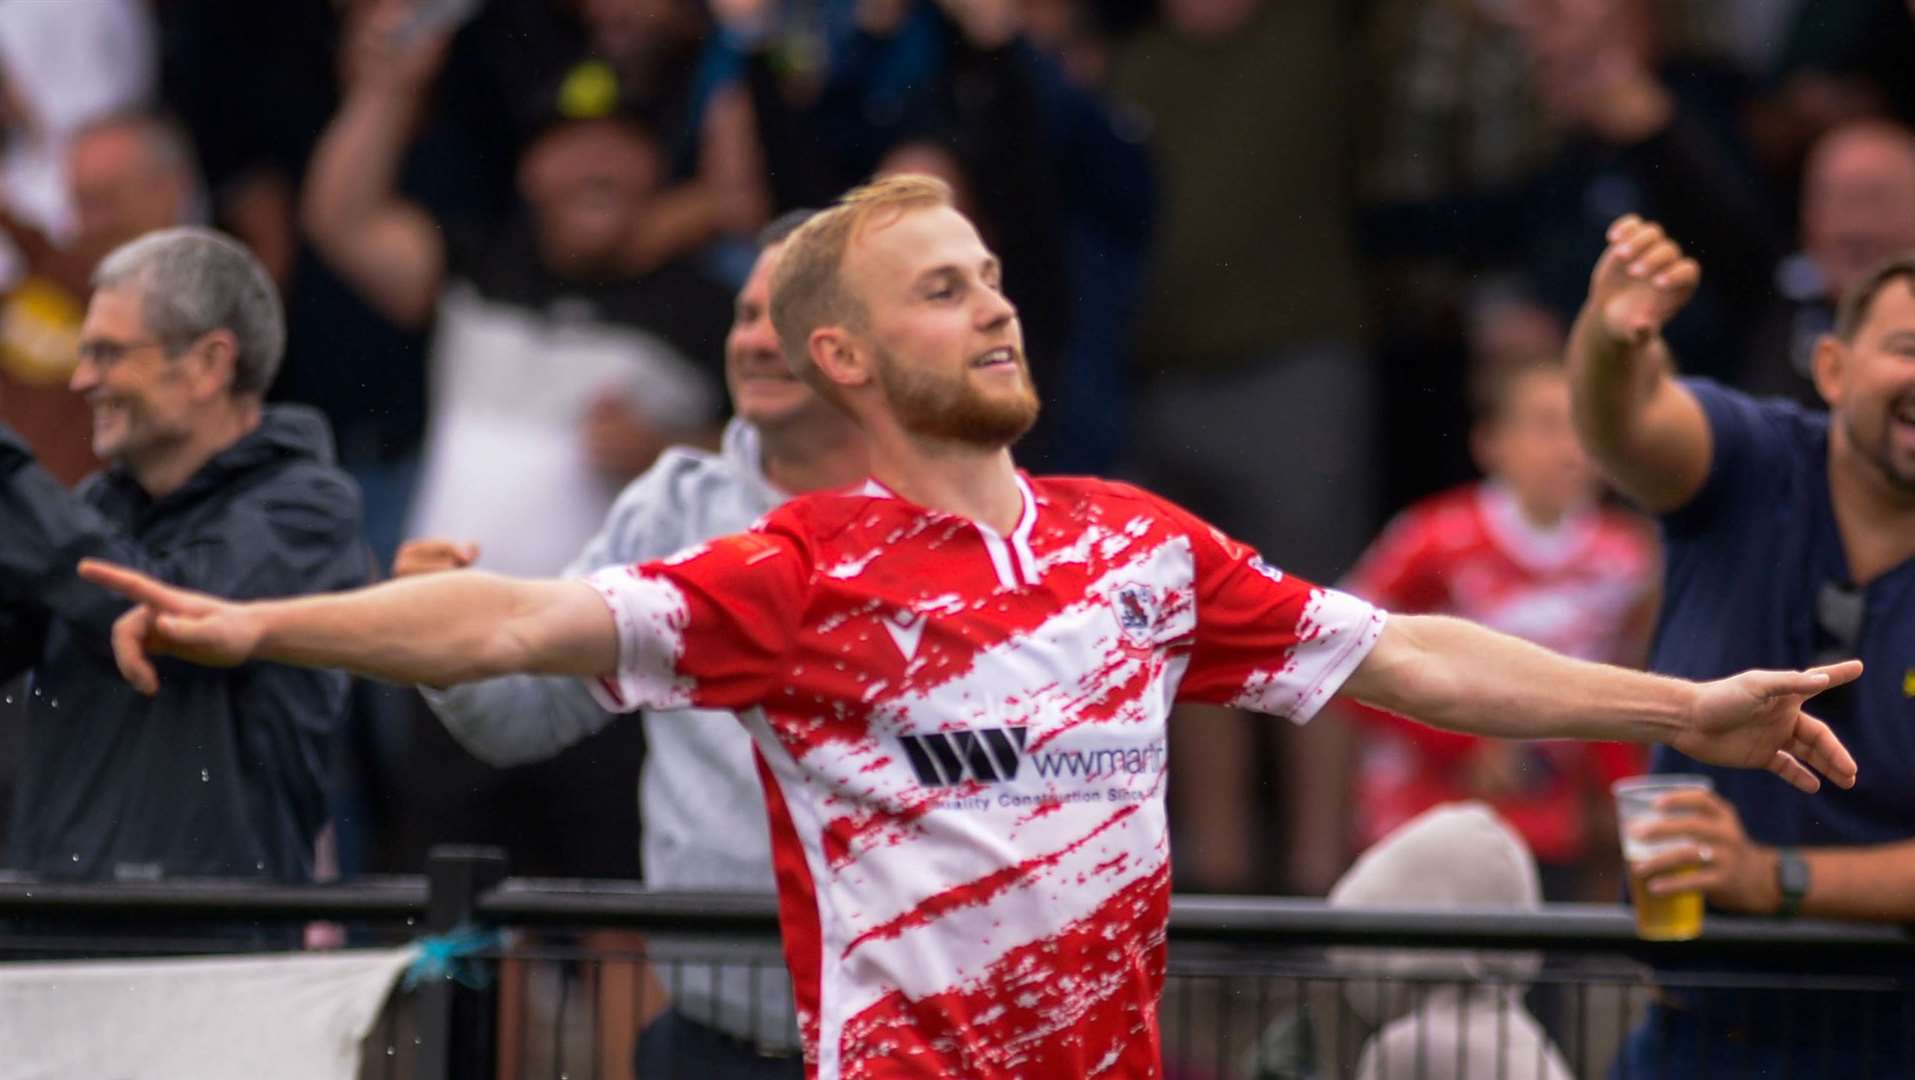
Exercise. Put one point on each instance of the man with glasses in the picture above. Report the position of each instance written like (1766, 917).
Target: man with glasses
(1790, 541)
(701, 811)
(205, 486)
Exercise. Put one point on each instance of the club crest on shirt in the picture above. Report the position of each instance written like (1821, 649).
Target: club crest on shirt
(1136, 608)
(1264, 568)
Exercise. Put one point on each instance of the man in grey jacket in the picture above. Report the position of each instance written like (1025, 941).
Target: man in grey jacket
(702, 811)
(205, 487)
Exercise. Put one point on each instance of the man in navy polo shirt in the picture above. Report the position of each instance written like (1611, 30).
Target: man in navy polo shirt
(1790, 539)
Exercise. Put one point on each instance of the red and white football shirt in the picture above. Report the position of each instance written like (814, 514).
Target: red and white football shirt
(963, 747)
(1583, 588)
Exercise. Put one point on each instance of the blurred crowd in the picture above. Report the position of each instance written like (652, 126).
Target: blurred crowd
(1301, 265)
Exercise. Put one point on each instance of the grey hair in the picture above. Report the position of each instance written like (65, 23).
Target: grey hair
(193, 281)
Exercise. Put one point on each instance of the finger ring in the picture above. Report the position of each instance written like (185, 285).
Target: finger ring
(1705, 854)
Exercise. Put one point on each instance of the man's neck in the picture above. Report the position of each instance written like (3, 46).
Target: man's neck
(166, 471)
(819, 456)
(1874, 516)
(971, 481)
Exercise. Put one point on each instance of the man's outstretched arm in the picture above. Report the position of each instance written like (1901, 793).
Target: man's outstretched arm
(1453, 674)
(434, 630)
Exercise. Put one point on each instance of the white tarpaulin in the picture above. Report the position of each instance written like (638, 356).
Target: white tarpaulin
(297, 1016)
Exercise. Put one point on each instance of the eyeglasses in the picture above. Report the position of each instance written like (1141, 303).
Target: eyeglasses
(102, 353)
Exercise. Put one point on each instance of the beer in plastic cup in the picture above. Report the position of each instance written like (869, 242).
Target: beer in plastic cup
(1669, 916)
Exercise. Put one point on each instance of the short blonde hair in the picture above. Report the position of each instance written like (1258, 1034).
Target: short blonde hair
(808, 289)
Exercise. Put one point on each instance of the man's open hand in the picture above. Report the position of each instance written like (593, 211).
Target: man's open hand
(1641, 281)
(1755, 720)
(169, 621)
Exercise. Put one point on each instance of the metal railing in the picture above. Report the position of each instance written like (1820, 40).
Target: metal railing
(1257, 987)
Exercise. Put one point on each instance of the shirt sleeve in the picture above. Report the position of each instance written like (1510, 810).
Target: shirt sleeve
(1267, 641)
(710, 627)
(517, 718)
(1750, 443)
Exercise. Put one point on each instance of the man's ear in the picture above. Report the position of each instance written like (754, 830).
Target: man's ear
(839, 357)
(213, 362)
(1830, 365)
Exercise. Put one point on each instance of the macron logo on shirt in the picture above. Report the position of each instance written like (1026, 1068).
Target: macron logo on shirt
(906, 629)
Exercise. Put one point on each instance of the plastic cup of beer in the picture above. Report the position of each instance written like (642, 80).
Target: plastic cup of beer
(1659, 917)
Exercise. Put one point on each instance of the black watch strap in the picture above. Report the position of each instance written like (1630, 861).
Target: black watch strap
(1792, 880)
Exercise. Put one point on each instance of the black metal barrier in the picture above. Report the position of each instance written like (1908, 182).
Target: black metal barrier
(1263, 988)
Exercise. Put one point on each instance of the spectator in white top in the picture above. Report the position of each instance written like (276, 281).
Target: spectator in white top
(64, 66)
(563, 361)
(701, 809)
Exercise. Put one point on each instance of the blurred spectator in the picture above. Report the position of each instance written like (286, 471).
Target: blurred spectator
(650, 54)
(1858, 208)
(1531, 552)
(1424, 1013)
(220, 774)
(561, 365)
(130, 174)
(62, 67)
(1445, 1014)
(1253, 308)
(702, 809)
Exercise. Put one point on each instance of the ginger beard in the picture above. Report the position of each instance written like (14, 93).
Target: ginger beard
(959, 407)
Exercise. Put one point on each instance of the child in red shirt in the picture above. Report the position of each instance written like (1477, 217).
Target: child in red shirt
(1530, 551)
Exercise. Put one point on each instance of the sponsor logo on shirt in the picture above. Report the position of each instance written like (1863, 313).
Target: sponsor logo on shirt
(950, 758)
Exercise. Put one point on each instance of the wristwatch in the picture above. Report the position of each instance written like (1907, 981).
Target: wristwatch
(1792, 880)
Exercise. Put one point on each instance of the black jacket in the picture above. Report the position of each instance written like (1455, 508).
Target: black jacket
(221, 773)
